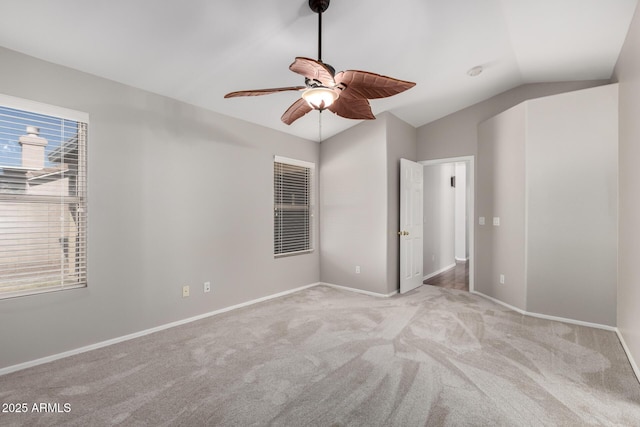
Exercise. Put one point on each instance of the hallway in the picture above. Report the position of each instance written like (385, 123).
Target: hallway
(454, 278)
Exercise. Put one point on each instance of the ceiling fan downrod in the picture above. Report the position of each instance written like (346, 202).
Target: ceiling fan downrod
(319, 6)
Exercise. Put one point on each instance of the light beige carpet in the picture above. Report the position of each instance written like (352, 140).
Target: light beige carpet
(325, 357)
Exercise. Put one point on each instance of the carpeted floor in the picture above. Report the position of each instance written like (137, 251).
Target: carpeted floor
(326, 357)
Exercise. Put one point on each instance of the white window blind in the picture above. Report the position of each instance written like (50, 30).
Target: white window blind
(43, 204)
(293, 207)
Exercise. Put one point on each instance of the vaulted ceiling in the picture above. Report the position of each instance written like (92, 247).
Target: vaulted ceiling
(198, 50)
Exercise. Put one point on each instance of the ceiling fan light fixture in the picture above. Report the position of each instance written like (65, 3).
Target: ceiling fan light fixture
(320, 98)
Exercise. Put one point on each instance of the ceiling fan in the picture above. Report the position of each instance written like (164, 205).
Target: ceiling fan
(346, 93)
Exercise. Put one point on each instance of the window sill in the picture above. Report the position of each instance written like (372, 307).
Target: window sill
(289, 254)
(28, 292)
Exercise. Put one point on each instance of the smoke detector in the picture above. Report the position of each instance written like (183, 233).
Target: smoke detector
(475, 71)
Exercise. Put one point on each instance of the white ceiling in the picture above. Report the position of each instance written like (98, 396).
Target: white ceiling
(198, 50)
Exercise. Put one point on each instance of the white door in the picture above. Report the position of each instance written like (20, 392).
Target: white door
(410, 225)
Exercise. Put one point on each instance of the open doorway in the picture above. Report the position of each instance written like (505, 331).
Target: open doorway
(448, 222)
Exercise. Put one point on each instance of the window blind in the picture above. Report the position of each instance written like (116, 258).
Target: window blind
(292, 206)
(43, 205)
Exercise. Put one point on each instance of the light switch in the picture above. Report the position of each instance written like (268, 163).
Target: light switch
(496, 220)
(481, 220)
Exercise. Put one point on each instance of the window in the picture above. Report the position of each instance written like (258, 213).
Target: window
(43, 201)
(293, 206)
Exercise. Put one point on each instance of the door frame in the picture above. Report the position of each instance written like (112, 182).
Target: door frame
(471, 173)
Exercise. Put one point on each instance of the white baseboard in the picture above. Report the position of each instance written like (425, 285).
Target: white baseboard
(546, 316)
(360, 291)
(497, 301)
(435, 273)
(461, 259)
(633, 363)
(31, 363)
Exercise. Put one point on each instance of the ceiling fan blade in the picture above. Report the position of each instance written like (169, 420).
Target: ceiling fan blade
(313, 70)
(295, 111)
(259, 92)
(363, 84)
(352, 108)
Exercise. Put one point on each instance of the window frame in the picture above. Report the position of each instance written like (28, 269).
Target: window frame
(80, 199)
(310, 206)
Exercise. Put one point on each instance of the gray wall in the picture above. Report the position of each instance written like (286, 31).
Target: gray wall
(353, 205)
(439, 218)
(572, 204)
(548, 169)
(401, 143)
(359, 203)
(162, 214)
(627, 73)
(500, 188)
(457, 134)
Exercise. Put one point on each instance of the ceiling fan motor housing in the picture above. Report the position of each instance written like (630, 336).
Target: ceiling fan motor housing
(319, 6)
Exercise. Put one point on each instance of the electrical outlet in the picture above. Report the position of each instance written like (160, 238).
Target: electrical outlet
(357, 269)
(185, 291)
(496, 221)
(207, 287)
(481, 220)
(502, 279)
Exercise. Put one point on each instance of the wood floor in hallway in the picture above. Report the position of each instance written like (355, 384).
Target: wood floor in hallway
(454, 278)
